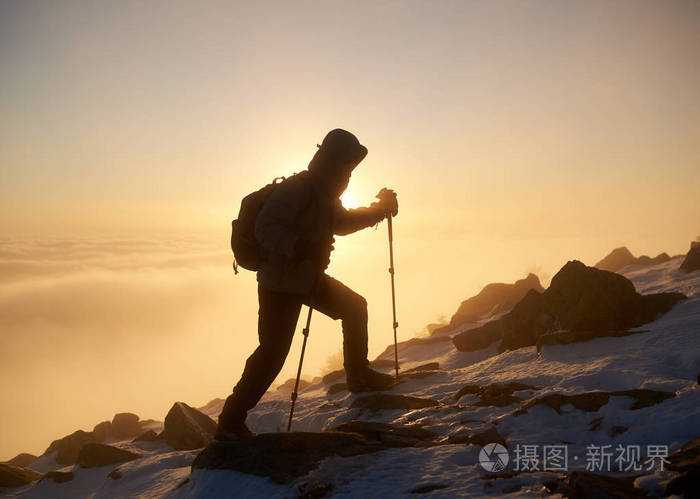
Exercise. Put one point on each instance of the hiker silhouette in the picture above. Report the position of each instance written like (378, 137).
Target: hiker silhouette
(295, 228)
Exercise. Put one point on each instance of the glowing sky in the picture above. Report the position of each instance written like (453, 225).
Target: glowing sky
(518, 135)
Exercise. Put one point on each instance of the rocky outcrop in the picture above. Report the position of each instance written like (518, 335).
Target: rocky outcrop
(186, 428)
(685, 462)
(288, 385)
(392, 435)
(495, 395)
(94, 455)
(68, 448)
(580, 298)
(147, 436)
(691, 263)
(125, 425)
(622, 257)
(16, 476)
(387, 401)
(493, 299)
(585, 484)
(59, 476)
(479, 437)
(388, 354)
(102, 430)
(283, 457)
(22, 460)
(593, 401)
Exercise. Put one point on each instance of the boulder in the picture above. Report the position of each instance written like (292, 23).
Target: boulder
(186, 428)
(493, 299)
(336, 388)
(585, 484)
(580, 298)
(125, 425)
(68, 448)
(495, 395)
(22, 460)
(593, 401)
(59, 476)
(392, 435)
(691, 263)
(686, 463)
(282, 457)
(16, 476)
(288, 386)
(622, 257)
(102, 430)
(93, 455)
(147, 436)
(480, 437)
(386, 401)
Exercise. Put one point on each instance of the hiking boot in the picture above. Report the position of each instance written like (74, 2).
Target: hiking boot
(234, 433)
(369, 380)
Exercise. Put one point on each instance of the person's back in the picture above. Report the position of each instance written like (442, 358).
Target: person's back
(296, 228)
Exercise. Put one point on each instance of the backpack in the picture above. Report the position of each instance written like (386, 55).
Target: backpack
(247, 251)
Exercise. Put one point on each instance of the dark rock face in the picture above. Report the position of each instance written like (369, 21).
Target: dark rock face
(692, 259)
(385, 401)
(93, 455)
(495, 395)
(621, 257)
(125, 425)
(337, 388)
(686, 462)
(481, 437)
(147, 436)
(22, 460)
(186, 428)
(16, 476)
(282, 457)
(494, 299)
(59, 476)
(584, 484)
(289, 385)
(102, 430)
(593, 401)
(392, 435)
(68, 448)
(580, 298)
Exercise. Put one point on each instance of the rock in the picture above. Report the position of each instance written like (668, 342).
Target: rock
(424, 489)
(211, 404)
(687, 458)
(493, 299)
(102, 430)
(691, 263)
(481, 437)
(384, 401)
(430, 366)
(495, 395)
(16, 476)
(59, 476)
(186, 428)
(392, 435)
(593, 401)
(68, 447)
(115, 474)
(289, 385)
(147, 436)
(622, 257)
(333, 375)
(282, 457)
(125, 425)
(387, 356)
(22, 460)
(337, 388)
(93, 455)
(584, 484)
(381, 363)
(568, 337)
(580, 298)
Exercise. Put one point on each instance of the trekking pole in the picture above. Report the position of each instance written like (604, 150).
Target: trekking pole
(305, 332)
(393, 293)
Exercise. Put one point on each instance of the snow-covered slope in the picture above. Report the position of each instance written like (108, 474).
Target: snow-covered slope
(664, 357)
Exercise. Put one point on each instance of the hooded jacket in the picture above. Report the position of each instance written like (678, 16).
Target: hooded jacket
(302, 207)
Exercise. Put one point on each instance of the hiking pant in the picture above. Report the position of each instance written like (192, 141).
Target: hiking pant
(277, 318)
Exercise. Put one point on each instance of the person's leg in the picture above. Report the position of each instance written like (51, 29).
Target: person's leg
(337, 301)
(277, 318)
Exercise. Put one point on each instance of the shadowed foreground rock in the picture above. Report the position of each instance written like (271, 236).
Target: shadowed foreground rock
(94, 455)
(495, 395)
(580, 298)
(393, 435)
(593, 401)
(386, 401)
(59, 476)
(686, 462)
(15, 476)
(282, 457)
(186, 428)
(583, 484)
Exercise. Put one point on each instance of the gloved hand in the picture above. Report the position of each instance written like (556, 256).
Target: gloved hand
(388, 202)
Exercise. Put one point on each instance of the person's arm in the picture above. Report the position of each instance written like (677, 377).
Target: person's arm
(275, 224)
(349, 221)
